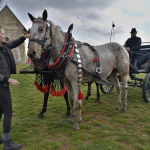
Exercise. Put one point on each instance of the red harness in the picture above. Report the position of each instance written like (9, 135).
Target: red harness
(56, 65)
(61, 54)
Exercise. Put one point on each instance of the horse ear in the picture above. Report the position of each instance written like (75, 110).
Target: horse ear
(70, 28)
(45, 15)
(25, 31)
(29, 30)
(31, 17)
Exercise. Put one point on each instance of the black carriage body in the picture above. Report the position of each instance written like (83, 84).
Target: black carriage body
(140, 82)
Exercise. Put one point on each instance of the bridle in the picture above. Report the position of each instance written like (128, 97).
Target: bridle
(45, 51)
(43, 42)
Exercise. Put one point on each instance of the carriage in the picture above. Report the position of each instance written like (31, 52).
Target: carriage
(136, 81)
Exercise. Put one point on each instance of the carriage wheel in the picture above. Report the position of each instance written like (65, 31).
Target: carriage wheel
(146, 88)
(106, 88)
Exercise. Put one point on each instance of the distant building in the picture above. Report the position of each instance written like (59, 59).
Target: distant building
(13, 29)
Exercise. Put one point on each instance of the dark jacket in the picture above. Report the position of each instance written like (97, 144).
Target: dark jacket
(134, 43)
(7, 63)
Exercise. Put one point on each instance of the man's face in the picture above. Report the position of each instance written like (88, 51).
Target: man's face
(133, 34)
(2, 36)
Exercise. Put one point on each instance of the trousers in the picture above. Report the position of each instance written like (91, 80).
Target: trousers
(6, 108)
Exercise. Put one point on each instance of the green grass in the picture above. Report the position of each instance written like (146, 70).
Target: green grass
(103, 128)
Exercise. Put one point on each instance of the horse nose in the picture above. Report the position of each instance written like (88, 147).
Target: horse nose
(31, 54)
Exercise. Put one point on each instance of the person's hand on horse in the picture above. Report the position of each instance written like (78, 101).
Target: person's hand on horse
(27, 36)
(13, 82)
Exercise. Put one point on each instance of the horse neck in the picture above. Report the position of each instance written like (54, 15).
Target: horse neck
(58, 38)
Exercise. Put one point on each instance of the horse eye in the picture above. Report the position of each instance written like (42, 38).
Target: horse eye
(41, 30)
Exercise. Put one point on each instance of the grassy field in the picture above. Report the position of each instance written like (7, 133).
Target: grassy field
(103, 128)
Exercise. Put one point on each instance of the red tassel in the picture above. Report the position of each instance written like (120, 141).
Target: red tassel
(60, 93)
(53, 93)
(39, 87)
(63, 90)
(80, 96)
(57, 93)
(95, 60)
(35, 83)
(51, 89)
(46, 88)
(41, 84)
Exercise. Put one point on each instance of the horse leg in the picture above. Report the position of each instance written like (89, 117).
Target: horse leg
(89, 91)
(78, 105)
(68, 105)
(47, 80)
(79, 115)
(71, 98)
(40, 115)
(98, 93)
(124, 79)
(114, 79)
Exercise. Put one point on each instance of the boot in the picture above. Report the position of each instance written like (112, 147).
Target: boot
(10, 145)
(1, 140)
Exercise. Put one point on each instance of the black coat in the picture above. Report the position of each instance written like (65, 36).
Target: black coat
(133, 43)
(7, 62)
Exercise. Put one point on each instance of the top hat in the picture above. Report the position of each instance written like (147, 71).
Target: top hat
(133, 30)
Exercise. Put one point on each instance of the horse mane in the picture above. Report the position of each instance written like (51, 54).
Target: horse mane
(51, 23)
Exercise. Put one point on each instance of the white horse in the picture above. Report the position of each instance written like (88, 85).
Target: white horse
(114, 59)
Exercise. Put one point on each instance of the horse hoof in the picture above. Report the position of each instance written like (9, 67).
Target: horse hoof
(97, 101)
(86, 98)
(124, 111)
(69, 122)
(117, 109)
(67, 116)
(40, 116)
(75, 129)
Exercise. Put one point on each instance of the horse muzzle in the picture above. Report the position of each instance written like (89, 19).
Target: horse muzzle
(39, 65)
(32, 54)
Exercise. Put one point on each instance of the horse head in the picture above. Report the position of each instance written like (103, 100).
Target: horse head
(41, 37)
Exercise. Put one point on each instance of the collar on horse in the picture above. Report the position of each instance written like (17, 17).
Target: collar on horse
(65, 54)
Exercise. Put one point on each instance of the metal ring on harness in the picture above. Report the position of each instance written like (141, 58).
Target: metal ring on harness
(98, 70)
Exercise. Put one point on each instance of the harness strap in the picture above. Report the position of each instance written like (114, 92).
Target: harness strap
(64, 55)
(102, 80)
(98, 69)
(58, 60)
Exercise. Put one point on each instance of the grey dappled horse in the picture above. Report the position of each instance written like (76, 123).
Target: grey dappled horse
(114, 59)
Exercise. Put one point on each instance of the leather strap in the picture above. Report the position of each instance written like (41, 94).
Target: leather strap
(102, 80)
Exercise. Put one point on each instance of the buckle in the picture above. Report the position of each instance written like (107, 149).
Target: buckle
(63, 55)
(98, 70)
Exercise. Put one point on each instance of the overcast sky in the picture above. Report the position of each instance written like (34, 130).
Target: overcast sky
(92, 19)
